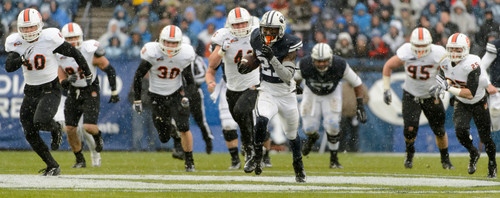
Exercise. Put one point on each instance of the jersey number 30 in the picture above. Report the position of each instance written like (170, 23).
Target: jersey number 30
(164, 72)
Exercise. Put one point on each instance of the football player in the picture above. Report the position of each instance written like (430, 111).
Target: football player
(34, 50)
(83, 100)
(322, 97)
(421, 62)
(168, 62)
(464, 78)
(277, 52)
(232, 44)
(491, 62)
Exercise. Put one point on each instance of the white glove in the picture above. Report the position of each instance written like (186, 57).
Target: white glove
(436, 91)
(441, 81)
(137, 106)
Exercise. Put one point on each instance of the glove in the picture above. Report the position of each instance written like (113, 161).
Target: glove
(387, 97)
(360, 112)
(185, 102)
(73, 78)
(88, 79)
(436, 91)
(114, 97)
(227, 43)
(452, 100)
(267, 52)
(25, 57)
(441, 81)
(299, 89)
(137, 106)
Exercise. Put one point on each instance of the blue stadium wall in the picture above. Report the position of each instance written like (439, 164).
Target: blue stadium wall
(382, 133)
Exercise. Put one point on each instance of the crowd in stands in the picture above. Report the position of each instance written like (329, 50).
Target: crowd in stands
(371, 29)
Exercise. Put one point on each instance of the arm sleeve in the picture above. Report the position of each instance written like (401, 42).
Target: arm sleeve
(487, 59)
(285, 71)
(110, 71)
(351, 76)
(188, 75)
(68, 50)
(473, 81)
(99, 52)
(144, 67)
(13, 62)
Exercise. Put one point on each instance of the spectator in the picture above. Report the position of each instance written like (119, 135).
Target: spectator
(443, 5)
(134, 45)
(394, 38)
(121, 15)
(450, 27)
(432, 13)
(316, 13)
(362, 18)
(210, 9)
(377, 49)
(439, 34)
(194, 25)
(280, 6)
(361, 48)
(344, 46)
(407, 20)
(465, 21)
(320, 37)
(341, 24)
(219, 19)
(8, 13)
(489, 26)
(376, 26)
(204, 41)
(385, 19)
(113, 31)
(385, 5)
(157, 27)
(142, 28)
(170, 9)
(329, 28)
(495, 8)
(257, 8)
(352, 29)
(300, 12)
(59, 15)
(115, 49)
(480, 12)
(348, 16)
(48, 21)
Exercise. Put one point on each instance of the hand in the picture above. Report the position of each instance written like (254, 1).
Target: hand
(114, 97)
(387, 97)
(227, 43)
(137, 106)
(185, 102)
(267, 52)
(211, 86)
(299, 89)
(441, 81)
(436, 91)
(27, 53)
(73, 78)
(88, 79)
(360, 112)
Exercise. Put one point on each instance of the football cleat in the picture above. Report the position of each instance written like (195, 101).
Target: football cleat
(79, 165)
(99, 143)
(178, 151)
(474, 157)
(335, 165)
(209, 146)
(267, 161)
(235, 164)
(298, 168)
(50, 171)
(249, 164)
(447, 164)
(56, 138)
(408, 163)
(189, 166)
(492, 170)
(311, 140)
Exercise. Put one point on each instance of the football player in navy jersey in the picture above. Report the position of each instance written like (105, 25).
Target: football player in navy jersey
(277, 52)
(322, 97)
(34, 50)
(491, 63)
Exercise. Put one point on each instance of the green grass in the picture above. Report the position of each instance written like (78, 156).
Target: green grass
(161, 163)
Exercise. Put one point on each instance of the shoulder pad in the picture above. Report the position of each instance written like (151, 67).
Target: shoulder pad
(220, 35)
(189, 52)
(90, 46)
(471, 62)
(150, 50)
(437, 51)
(52, 35)
(493, 46)
(293, 42)
(255, 40)
(12, 42)
(404, 52)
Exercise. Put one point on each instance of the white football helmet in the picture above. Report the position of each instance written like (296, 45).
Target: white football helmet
(322, 52)
(28, 18)
(421, 37)
(458, 40)
(73, 30)
(272, 19)
(171, 33)
(239, 15)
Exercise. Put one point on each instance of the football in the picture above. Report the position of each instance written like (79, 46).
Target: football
(248, 63)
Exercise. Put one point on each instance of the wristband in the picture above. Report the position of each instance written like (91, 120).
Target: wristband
(114, 93)
(387, 82)
(455, 91)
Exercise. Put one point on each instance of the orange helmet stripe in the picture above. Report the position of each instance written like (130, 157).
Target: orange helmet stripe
(454, 38)
(172, 31)
(420, 34)
(238, 13)
(27, 15)
(70, 27)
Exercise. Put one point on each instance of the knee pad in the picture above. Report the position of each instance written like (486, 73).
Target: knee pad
(410, 132)
(332, 127)
(333, 138)
(309, 130)
(165, 133)
(230, 135)
(439, 132)
(260, 129)
(228, 124)
(463, 136)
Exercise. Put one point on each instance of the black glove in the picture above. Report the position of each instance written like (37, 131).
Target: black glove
(299, 90)
(267, 52)
(452, 100)
(360, 112)
(114, 98)
(88, 79)
(387, 97)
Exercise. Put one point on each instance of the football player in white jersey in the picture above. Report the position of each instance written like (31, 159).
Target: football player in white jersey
(34, 50)
(421, 61)
(322, 97)
(84, 100)
(464, 78)
(168, 62)
(232, 44)
(277, 52)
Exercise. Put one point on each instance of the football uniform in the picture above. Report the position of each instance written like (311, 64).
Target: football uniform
(275, 95)
(82, 99)
(492, 49)
(322, 95)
